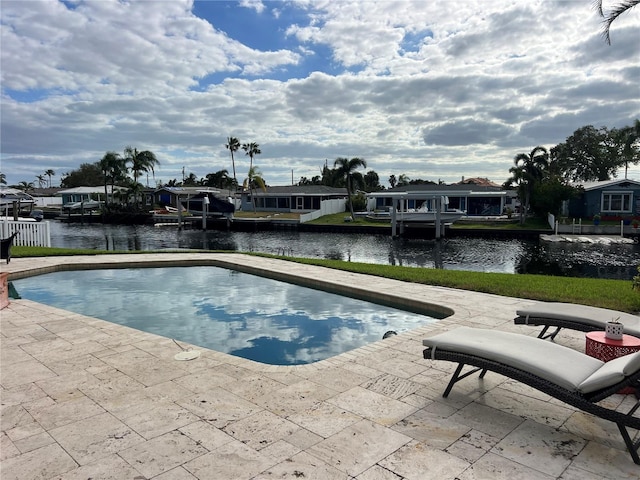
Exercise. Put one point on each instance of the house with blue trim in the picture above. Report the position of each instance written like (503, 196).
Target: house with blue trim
(290, 198)
(612, 199)
(475, 200)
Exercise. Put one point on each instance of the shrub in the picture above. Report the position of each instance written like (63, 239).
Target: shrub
(636, 280)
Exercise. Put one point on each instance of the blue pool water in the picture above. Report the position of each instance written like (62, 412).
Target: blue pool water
(241, 314)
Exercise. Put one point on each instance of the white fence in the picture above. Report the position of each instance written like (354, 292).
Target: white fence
(327, 207)
(32, 234)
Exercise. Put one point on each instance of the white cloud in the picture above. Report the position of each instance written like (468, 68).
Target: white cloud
(435, 90)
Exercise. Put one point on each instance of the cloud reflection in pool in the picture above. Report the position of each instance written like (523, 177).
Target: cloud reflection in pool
(244, 315)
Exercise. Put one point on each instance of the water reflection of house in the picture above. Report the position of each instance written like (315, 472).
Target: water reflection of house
(290, 198)
(476, 199)
(609, 198)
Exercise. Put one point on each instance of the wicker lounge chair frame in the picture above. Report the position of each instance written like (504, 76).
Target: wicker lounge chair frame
(585, 402)
(575, 322)
(5, 246)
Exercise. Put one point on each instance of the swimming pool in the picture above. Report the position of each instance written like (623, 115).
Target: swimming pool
(245, 315)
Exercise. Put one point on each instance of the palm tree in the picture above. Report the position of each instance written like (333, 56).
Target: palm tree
(190, 181)
(25, 186)
(141, 162)
(392, 180)
(41, 180)
(613, 14)
(3, 179)
(219, 179)
(630, 149)
(253, 181)
(252, 149)
(528, 169)
(233, 145)
(347, 169)
(113, 168)
(49, 173)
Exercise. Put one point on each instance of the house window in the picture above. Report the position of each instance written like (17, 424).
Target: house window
(616, 202)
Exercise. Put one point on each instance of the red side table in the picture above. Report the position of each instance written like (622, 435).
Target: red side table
(606, 349)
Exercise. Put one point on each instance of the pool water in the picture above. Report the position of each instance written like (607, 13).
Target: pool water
(253, 317)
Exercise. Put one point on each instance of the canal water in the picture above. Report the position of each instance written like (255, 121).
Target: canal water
(619, 261)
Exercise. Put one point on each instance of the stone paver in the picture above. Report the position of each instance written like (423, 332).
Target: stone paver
(84, 398)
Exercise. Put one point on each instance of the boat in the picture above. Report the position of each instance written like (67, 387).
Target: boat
(419, 215)
(18, 205)
(85, 205)
(423, 215)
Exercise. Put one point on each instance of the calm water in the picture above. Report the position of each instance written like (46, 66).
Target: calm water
(277, 323)
(476, 254)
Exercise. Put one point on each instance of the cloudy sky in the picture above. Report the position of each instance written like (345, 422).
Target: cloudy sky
(436, 89)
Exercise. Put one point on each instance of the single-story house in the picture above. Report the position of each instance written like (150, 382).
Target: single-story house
(479, 200)
(617, 198)
(79, 195)
(47, 197)
(290, 198)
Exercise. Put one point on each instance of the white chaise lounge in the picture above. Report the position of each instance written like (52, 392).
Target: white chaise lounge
(574, 317)
(561, 372)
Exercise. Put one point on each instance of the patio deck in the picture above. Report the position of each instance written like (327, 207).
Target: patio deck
(85, 398)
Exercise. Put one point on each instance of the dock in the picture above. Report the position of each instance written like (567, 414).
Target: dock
(599, 239)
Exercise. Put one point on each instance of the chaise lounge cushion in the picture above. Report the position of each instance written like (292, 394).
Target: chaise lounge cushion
(595, 316)
(611, 373)
(560, 365)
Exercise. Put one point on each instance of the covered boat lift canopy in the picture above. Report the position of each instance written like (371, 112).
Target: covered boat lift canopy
(439, 201)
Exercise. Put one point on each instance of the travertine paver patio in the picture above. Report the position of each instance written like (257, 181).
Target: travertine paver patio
(85, 398)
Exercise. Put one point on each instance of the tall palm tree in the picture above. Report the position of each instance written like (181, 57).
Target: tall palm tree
(141, 162)
(254, 181)
(49, 173)
(113, 168)
(41, 180)
(613, 14)
(630, 149)
(252, 149)
(347, 169)
(528, 169)
(233, 145)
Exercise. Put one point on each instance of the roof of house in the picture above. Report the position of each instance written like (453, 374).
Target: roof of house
(620, 182)
(87, 190)
(480, 181)
(189, 190)
(302, 190)
(432, 187)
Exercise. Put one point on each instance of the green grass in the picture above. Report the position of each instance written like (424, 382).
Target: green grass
(512, 224)
(338, 219)
(605, 293)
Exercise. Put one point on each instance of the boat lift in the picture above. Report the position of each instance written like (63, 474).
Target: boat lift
(439, 202)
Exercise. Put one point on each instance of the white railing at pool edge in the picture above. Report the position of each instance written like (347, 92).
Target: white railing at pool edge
(32, 234)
